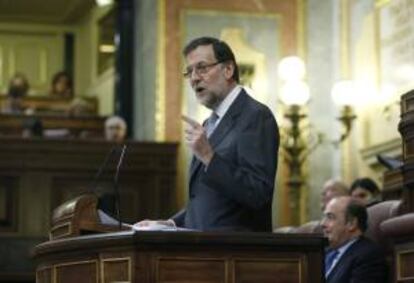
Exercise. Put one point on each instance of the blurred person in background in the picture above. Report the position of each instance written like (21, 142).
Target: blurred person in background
(62, 85)
(366, 191)
(332, 188)
(115, 129)
(18, 88)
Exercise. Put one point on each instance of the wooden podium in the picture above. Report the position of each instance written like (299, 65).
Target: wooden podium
(169, 256)
(143, 256)
(81, 216)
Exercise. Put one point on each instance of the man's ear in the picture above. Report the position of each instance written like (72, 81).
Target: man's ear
(352, 224)
(228, 70)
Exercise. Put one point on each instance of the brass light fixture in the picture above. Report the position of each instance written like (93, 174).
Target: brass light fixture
(298, 141)
(344, 94)
(294, 95)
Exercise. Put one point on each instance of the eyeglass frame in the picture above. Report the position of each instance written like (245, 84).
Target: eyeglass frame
(200, 69)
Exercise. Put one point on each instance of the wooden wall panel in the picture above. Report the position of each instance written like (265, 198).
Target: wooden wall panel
(44, 275)
(267, 270)
(405, 263)
(8, 203)
(82, 271)
(116, 270)
(190, 270)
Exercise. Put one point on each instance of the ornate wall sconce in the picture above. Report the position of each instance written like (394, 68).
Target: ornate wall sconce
(298, 141)
(294, 95)
(344, 94)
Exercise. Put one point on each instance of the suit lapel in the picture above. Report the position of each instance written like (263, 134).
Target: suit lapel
(222, 129)
(195, 164)
(228, 121)
(335, 271)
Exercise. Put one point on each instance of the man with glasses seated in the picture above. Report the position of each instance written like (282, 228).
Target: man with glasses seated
(235, 150)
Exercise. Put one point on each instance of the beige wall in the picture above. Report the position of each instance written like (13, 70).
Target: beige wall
(35, 50)
(88, 82)
(38, 51)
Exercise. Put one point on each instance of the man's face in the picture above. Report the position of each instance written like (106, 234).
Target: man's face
(362, 195)
(211, 83)
(328, 194)
(115, 132)
(334, 224)
(62, 85)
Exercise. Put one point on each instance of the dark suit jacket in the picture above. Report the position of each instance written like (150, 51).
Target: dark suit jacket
(235, 192)
(363, 262)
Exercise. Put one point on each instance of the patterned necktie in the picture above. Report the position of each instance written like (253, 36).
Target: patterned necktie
(211, 123)
(329, 259)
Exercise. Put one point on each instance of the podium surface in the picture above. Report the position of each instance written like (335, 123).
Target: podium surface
(169, 256)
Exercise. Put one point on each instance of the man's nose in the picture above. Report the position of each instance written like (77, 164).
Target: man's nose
(323, 222)
(194, 76)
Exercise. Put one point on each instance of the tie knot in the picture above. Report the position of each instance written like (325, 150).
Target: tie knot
(211, 123)
(213, 117)
(329, 259)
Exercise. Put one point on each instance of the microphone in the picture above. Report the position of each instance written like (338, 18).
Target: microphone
(116, 189)
(104, 164)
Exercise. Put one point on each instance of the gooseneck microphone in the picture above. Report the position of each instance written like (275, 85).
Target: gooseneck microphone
(104, 164)
(116, 189)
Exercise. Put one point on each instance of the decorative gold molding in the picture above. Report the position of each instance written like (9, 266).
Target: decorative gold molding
(392, 148)
(302, 52)
(211, 12)
(398, 265)
(160, 77)
(2, 55)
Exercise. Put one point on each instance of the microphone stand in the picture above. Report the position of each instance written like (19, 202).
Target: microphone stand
(98, 174)
(116, 189)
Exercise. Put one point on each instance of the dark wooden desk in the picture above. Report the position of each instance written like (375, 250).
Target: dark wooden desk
(89, 126)
(182, 257)
(49, 104)
(37, 175)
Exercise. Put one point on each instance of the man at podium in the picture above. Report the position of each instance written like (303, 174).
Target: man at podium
(235, 151)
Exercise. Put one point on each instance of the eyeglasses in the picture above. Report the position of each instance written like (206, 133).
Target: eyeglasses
(200, 69)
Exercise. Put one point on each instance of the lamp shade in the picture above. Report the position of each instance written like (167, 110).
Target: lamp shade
(291, 68)
(295, 93)
(103, 2)
(344, 93)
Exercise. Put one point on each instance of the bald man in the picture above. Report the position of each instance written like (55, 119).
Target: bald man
(115, 129)
(351, 257)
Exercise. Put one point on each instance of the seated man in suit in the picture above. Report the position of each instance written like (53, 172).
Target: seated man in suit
(235, 151)
(351, 257)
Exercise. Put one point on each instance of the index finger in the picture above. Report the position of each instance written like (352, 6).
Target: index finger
(190, 121)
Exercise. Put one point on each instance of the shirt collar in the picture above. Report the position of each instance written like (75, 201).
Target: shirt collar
(228, 101)
(342, 249)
